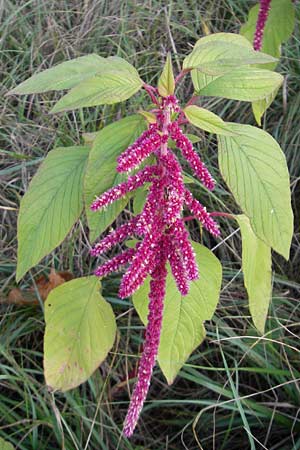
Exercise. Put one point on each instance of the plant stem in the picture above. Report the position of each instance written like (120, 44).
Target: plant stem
(150, 91)
(181, 75)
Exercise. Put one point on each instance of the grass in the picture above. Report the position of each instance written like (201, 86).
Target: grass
(238, 390)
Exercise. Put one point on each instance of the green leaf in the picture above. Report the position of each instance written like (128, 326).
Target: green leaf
(51, 205)
(166, 82)
(115, 84)
(80, 331)
(233, 38)
(4, 445)
(260, 106)
(256, 266)
(219, 57)
(139, 200)
(255, 170)
(149, 116)
(278, 29)
(207, 120)
(193, 138)
(101, 172)
(246, 84)
(182, 328)
(63, 76)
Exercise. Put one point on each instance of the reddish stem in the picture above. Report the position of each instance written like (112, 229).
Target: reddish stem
(181, 75)
(192, 100)
(151, 92)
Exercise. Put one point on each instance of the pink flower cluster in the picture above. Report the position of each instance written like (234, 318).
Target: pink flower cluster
(261, 23)
(160, 230)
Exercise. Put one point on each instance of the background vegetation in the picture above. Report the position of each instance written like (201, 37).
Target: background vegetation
(238, 390)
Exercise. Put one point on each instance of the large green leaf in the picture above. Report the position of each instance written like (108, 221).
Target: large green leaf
(4, 445)
(219, 57)
(255, 170)
(80, 331)
(200, 80)
(182, 328)
(51, 205)
(233, 38)
(256, 265)
(63, 76)
(115, 84)
(101, 172)
(246, 84)
(278, 29)
(166, 82)
(207, 120)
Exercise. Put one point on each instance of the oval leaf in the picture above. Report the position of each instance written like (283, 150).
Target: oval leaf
(4, 445)
(80, 331)
(219, 57)
(51, 205)
(182, 328)
(233, 38)
(63, 76)
(256, 266)
(116, 84)
(101, 172)
(255, 170)
(246, 84)
(206, 120)
(166, 82)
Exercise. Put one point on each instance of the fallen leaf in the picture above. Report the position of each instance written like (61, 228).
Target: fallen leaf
(43, 284)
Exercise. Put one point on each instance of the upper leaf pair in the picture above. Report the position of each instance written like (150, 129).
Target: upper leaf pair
(225, 65)
(93, 80)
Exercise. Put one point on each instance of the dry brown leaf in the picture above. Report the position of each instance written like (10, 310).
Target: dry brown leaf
(44, 286)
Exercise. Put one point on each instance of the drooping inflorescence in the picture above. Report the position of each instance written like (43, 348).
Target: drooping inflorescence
(263, 13)
(160, 230)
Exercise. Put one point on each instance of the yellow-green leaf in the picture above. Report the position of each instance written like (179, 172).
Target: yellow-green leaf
(149, 116)
(219, 57)
(207, 120)
(183, 317)
(166, 82)
(259, 107)
(255, 170)
(101, 172)
(63, 76)
(256, 266)
(51, 205)
(246, 84)
(80, 331)
(4, 445)
(115, 84)
(232, 38)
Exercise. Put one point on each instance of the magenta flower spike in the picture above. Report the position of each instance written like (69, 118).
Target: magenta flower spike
(160, 228)
(263, 13)
(147, 362)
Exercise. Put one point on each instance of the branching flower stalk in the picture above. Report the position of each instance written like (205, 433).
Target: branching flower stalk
(263, 13)
(160, 228)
